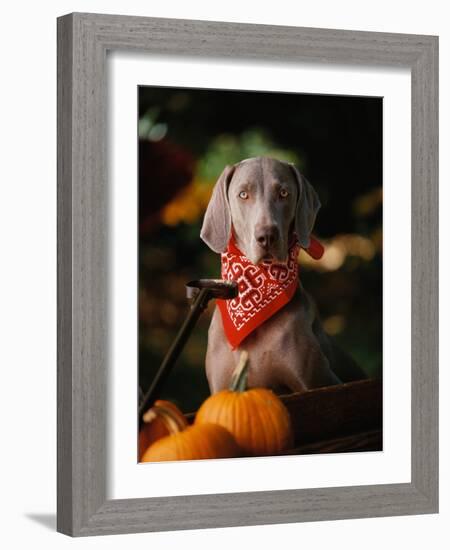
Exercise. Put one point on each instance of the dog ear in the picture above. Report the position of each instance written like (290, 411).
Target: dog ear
(308, 204)
(216, 228)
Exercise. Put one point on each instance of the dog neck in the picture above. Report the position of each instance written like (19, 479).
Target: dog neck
(263, 290)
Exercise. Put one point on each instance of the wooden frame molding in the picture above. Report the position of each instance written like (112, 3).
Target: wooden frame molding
(83, 41)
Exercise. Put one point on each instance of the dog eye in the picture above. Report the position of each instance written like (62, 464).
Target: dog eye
(243, 195)
(284, 193)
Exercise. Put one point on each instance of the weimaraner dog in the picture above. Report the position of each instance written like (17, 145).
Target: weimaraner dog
(262, 201)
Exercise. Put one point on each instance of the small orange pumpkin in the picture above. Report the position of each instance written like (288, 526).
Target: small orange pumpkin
(194, 443)
(257, 418)
(162, 419)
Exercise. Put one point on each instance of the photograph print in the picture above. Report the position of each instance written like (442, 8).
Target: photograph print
(260, 274)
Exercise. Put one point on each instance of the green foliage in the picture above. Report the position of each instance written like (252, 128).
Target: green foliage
(230, 149)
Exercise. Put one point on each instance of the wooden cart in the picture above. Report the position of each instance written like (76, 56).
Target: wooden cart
(337, 419)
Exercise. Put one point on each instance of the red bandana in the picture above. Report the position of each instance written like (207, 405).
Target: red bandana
(263, 289)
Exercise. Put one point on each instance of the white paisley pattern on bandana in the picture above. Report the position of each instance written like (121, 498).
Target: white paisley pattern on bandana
(263, 290)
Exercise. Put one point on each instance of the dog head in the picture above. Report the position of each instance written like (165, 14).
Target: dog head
(263, 200)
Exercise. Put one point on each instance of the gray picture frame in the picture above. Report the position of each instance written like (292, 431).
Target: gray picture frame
(83, 42)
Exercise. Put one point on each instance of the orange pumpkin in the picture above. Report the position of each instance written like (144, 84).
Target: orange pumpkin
(194, 443)
(257, 418)
(162, 419)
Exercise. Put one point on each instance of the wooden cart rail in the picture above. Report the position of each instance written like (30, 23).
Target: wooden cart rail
(342, 418)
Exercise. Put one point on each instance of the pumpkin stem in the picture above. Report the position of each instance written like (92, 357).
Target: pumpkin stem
(240, 374)
(172, 421)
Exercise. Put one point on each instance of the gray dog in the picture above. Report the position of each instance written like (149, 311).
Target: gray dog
(262, 201)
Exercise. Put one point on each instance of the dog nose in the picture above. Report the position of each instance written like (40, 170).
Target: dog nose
(266, 235)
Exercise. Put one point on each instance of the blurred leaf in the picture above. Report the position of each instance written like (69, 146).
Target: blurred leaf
(230, 149)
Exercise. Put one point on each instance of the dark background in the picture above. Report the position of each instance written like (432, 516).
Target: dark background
(186, 136)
